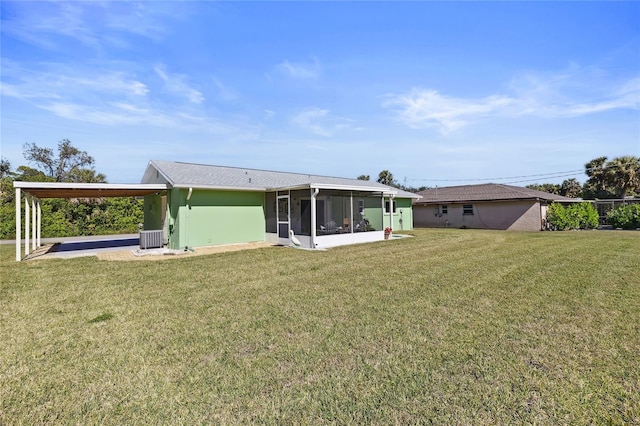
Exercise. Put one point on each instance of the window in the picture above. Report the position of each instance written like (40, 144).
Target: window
(444, 210)
(467, 209)
(386, 206)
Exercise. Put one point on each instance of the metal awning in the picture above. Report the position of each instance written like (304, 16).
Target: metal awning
(87, 190)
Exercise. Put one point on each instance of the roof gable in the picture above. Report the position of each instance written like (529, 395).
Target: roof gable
(485, 192)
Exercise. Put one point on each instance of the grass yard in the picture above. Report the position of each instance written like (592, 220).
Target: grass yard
(449, 327)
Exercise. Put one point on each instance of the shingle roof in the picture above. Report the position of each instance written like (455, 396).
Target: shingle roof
(180, 174)
(484, 192)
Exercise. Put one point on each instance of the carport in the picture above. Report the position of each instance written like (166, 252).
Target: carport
(35, 191)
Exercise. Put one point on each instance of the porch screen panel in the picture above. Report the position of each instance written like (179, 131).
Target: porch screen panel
(332, 211)
(340, 212)
(271, 224)
(368, 212)
(283, 217)
(301, 212)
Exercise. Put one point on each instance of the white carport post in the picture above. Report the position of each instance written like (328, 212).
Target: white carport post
(34, 230)
(18, 226)
(27, 218)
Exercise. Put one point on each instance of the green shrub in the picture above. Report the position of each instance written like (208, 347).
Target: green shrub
(576, 216)
(625, 217)
(62, 218)
(557, 217)
(587, 214)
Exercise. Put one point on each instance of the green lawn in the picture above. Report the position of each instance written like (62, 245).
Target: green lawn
(452, 326)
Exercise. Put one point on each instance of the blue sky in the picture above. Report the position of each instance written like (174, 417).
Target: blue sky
(439, 93)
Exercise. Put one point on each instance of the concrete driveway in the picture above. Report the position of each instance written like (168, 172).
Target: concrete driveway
(67, 247)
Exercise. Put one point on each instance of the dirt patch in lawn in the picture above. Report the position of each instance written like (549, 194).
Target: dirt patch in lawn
(127, 255)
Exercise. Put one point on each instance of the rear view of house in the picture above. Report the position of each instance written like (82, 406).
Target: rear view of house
(208, 205)
(485, 206)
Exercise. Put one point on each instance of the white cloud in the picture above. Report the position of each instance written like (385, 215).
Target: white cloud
(176, 84)
(573, 93)
(625, 97)
(110, 98)
(59, 82)
(119, 113)
(300, 70)
(320, 121)
(428, 108)
(224, 92)
(311, 119)
(94, 24)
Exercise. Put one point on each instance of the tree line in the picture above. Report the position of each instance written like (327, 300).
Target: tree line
(61, 217)
(616, 178)
(385, 177)
(607, 179)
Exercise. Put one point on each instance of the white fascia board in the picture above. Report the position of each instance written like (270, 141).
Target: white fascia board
(329, 186)
(385, 191)
(290, 188)
(71, 185)
(220, 188)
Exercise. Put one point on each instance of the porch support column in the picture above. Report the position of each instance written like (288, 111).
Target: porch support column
(39, 222)
(18, 225)
(391, 197)
(382, 211)
(34, 229)
(27, 218)
(351, 212)
(314, 194)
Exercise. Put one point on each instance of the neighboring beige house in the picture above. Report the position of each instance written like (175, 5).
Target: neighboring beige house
(484, 206)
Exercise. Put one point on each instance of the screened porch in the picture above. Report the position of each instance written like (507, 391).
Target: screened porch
(324, 217)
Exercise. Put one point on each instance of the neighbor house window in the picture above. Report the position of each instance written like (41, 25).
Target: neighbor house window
(386, 206)
(467, 209)
(444, 210)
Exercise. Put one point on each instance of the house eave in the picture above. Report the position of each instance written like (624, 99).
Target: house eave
(385, 191)
(424, 202)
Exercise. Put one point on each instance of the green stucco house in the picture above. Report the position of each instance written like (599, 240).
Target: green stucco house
(207, 205)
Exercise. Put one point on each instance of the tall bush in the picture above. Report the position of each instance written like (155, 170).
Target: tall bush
(62, 218)
(575, 216)
(625, 217)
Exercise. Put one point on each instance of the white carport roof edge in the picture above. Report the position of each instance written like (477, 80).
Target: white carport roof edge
(26, 186)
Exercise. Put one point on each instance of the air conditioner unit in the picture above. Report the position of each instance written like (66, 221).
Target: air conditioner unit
(151, 239)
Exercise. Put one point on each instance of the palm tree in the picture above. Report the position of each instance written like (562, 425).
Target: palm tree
(596, 185)
(571, 188)
(385, 177)
(623, 173)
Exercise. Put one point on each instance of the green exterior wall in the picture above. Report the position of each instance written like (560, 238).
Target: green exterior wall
(373, 212)
(152, 212)
(404, 205)
(214, 217)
